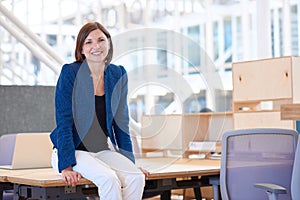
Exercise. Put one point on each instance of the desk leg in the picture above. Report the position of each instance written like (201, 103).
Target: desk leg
(53, 193)
(166, 195)
(161, 186)
(197, 190)
(198, 194)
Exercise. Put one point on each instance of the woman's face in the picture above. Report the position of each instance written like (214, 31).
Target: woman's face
(96, 47)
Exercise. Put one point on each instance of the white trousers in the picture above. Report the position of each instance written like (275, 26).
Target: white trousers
(116, 177)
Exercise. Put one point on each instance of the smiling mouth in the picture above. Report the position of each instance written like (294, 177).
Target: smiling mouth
(97, 52)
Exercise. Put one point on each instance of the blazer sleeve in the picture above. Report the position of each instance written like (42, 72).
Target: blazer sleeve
(63, 140)
(121, 118)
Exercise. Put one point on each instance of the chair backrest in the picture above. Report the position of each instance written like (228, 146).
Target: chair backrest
(295, 190)
(261, 155)
(7, 144)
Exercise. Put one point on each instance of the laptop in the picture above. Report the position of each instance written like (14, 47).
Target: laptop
(30, 150)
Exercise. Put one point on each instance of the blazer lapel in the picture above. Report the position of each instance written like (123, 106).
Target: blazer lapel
(83, 100)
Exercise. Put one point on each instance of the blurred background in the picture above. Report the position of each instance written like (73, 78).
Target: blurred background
(38, 36)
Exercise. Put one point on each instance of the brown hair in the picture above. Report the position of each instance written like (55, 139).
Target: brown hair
(82, 35)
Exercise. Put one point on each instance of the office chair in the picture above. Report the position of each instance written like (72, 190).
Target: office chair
(295, 190)
(274, 190)
(6, 153)
(7, 148)
(254, 156)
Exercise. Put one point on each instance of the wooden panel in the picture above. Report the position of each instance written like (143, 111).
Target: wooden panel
(161, 132)
(219, 124)
(262, 79)
(194, 128)
(260, 88)
(205, 127)
(174, 132)
(290, 112)
(296, 79)
(260, 120)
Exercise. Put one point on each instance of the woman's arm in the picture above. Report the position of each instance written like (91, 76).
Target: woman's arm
(64, 118)
(121, 118)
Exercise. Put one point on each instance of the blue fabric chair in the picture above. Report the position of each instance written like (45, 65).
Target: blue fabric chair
(258, 158)
(274, 190)
(7, 143)
(295, 190)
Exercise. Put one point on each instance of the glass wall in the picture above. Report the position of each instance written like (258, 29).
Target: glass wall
(178, 54)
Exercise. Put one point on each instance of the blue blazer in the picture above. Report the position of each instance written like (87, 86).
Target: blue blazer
(75, 108)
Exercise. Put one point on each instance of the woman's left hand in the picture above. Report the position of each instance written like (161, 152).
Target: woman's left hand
(145, 172)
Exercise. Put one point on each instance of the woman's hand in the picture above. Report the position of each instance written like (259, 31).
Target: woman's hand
(145, 172)
(70, 177)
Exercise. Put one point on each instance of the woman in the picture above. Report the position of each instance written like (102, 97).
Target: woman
(92, 138)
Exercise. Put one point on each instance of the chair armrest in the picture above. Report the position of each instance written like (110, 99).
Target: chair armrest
(272, 188)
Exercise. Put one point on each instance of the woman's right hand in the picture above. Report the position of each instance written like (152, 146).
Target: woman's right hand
(70, 177)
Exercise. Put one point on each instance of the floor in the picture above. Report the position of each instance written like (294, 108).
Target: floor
(207, 194)
(173, 197)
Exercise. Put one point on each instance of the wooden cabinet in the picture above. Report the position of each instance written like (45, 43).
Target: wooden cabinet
(260, 87)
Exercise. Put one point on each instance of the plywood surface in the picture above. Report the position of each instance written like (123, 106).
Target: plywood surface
(174, 132)
(290, 111)
(262, 79)
(296, 80)
(264, 119)
(158, 167)
(179, 167)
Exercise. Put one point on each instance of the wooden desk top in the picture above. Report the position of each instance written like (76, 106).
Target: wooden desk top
(4, 173)
(160, 168)
(3, 178)
(43, 177)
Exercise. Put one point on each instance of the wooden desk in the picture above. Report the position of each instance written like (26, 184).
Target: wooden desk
(160, 168)
(166, 174)
(5, 173)
(3, 178)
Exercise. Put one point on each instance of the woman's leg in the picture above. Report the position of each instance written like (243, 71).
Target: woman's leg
(93, 169)
(132, 179)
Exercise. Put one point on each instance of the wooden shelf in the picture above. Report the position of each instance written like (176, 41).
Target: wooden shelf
(260, 87)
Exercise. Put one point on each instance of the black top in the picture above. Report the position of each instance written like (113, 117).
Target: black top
(96, 138)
